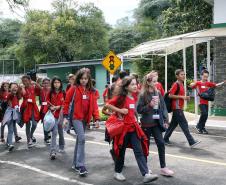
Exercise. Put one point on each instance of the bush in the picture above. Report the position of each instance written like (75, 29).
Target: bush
(103, 117)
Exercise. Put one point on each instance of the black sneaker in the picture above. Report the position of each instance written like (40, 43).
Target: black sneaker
(53, 156)
(68, 131)
(195, 144)
(83, 171)
(167, 142)
(33, 140)
(18, 138)
(199, 130)
(11, 147)
(204, 131)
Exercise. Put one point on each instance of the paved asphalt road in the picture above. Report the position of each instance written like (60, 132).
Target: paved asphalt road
(203, 166)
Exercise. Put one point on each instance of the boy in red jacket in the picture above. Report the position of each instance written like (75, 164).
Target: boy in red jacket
(177, 94)
(203, 86)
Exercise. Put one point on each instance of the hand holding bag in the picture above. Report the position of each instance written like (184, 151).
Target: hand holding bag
(114, 126)
(48, 121)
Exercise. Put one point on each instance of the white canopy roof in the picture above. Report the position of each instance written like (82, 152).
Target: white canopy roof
(173, 44)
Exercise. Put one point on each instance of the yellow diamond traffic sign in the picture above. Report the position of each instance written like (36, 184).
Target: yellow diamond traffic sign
(111, 62)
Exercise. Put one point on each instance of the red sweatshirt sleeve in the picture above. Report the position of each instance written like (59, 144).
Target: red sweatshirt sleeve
(162, 90)
(67, 101)
(211, 84)
(37, 90)
(96, 111)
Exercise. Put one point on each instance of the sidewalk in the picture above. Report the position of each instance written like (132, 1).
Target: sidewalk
(213, 122)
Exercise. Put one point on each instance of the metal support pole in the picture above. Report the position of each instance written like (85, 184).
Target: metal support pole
(209, 69)
(122, 63)
(13, 70)
(166, 80)
(3, 70)
(195, 75)
(185, 70)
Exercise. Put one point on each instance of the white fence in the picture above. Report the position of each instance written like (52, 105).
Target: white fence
(17, 77)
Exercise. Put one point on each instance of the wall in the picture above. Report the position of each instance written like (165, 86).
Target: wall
(219, 11)
(219, 105)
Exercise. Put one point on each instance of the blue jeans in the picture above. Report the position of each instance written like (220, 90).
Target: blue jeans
(14, 129)
(79, 152)
(138, 152)
(57, 129)
(11, 129)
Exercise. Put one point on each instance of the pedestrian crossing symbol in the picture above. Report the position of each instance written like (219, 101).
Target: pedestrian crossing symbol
(111, 62)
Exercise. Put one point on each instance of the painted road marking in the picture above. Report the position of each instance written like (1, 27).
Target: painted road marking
(170, 155)
(44, 172)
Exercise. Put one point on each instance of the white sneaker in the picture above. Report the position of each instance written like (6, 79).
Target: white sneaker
(61, 151)
(166, 172)
(119, 177)
(150, 177)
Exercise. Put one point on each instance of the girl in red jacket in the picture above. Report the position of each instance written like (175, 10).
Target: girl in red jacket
(124, 106)
(29, 108)
(56, 100)
(4, 92)
(85, 107)
(13, 107)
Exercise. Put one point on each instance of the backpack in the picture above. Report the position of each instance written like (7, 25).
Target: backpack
(208, 95)
(168, 100)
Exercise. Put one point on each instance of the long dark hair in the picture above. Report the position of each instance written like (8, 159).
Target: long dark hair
(2, 87)
(79, 75)
(122, 91)
(19, 93)
(52, 85)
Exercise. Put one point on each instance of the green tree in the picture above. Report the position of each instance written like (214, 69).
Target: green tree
(69, 33)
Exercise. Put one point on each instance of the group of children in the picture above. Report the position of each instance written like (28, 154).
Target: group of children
(76, 107)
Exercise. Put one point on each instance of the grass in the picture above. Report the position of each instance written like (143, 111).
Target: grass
(191, 106)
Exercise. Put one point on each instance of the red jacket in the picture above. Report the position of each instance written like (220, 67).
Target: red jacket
(78, 109)
(29, 104)
(57, 99)
(13, 100)
(44, 97)
(4, 96)
(158, 85)
(129, 121)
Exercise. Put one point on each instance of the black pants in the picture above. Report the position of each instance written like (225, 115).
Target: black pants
(157, 134)
(203, 117)
(138, 152)
(179, 118)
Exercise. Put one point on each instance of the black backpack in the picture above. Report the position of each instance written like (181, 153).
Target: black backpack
(208, 95)
(168, 100)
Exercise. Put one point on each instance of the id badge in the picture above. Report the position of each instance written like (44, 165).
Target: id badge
(29, 100)
(131, 106)
(84, 97)
(44, 103)
(155, 116)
